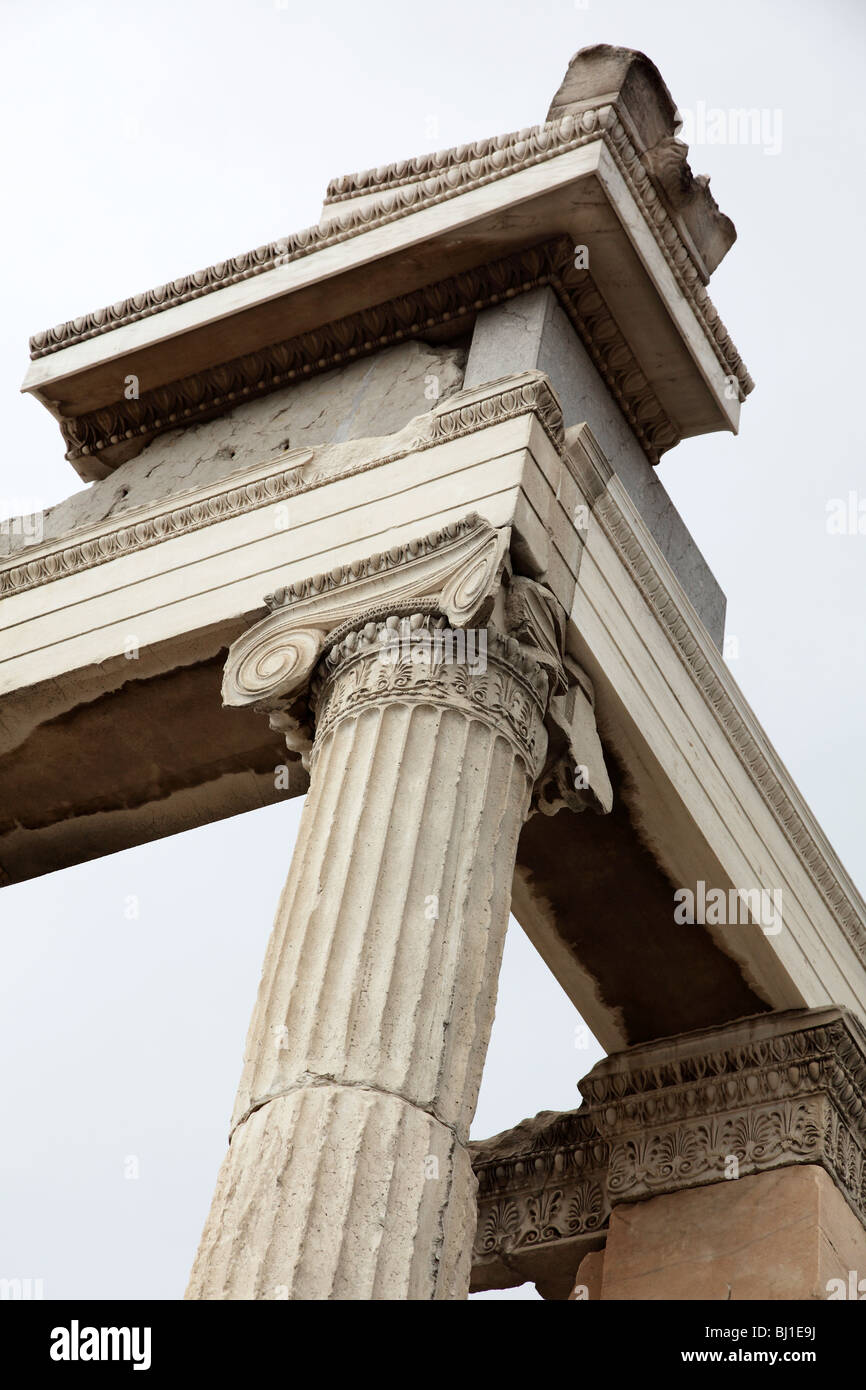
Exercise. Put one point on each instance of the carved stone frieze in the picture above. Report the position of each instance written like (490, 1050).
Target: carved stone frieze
(710, 1106)
(137, 531)
(294, 473)
(699, 1151)
(542, 1183)
(772, 1093)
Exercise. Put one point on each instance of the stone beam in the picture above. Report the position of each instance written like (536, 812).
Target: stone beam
(193, 574)
(792, 922)
(124, 622)
(726, 1163)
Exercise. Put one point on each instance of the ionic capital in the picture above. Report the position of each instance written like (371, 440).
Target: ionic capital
(456, 571)
(441, 619)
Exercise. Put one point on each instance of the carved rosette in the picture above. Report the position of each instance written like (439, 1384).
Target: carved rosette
(767, 1092)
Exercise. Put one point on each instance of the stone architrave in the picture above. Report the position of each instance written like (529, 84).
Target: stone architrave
(417, 685)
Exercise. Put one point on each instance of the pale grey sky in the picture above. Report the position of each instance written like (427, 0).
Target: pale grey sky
(143, 141)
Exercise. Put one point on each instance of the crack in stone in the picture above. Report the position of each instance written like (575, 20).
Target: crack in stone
(312, 1079)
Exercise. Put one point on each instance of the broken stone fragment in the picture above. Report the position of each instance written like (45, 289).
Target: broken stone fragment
(604, 73)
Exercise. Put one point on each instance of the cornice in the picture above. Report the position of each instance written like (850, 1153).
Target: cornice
(513, 146)
(609, 123)
(503, 157)
(772, 1091)
(468, 410)
(677, 255)
(614, 360)
(538, 1151)
(500, 160)
(251, 375)
(439, 178)
(507, 398)
(792, 1093)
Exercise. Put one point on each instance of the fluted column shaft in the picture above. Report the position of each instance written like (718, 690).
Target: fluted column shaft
(347, 1174)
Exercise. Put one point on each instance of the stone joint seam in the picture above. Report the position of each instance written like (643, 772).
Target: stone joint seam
(313, 1080)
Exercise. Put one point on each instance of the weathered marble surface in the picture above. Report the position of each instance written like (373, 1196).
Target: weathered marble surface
(371, 397)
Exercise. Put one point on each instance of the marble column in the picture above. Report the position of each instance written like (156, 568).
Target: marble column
(348, 1174)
